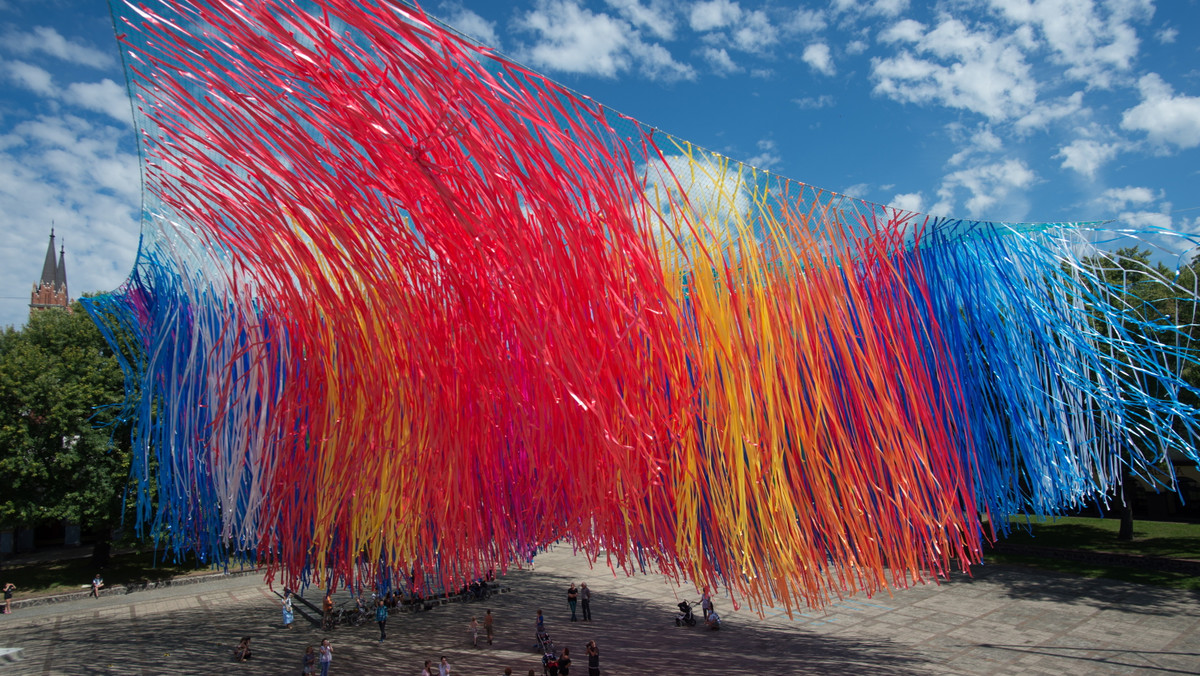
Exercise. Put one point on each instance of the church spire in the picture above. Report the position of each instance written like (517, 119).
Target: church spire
(49, 269)
(60, 273)
(51, 290)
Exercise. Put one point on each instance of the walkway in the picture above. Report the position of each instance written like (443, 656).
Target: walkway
(1003, 621)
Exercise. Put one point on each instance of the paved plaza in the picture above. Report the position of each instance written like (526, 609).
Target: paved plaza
(1004, 620)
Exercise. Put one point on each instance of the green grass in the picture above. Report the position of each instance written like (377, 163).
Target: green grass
(1165, 539)
(58, 577)
(1168, 539)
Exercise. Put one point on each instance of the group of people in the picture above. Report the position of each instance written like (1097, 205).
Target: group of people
(488, 628)
(576, 595)
(9, 589)
(323, 656)
(554, 664)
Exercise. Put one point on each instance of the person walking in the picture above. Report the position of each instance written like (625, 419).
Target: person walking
(326, 656)
(572, 597)
(288, 616)
(327, 611)
(309, 663)
(474, 632)
(381, 615)
(585, 596)
(444, 667)
(541, 622)
(593, 655)
(9, 588)
(425, 671)
(487, 625)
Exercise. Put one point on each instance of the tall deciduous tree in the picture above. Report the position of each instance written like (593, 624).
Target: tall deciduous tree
(61, 454)
(1159, 306)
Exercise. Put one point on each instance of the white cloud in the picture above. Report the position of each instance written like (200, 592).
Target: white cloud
(767, 158)
(713, 14)
(46, 40)
(806, 21)
(720, 61)
(75, 174)
(910, 201)
(749, 31)
(975, 71)
(1146, 219)
(992, 189)
(982, 142)
(656, 18)
(755, 33)
(470, 23)
(888, 8)
(814, 102)
(1041, 115)
(818, 58)
(883, 8)
(573, 39)
(856, 47)
(656, 63)
(1167, 36)
(1167, 119)
(706, 192)
(104, 96)
(907, 30)
(1115, 199)
(857, 191)
(1087, 156)
(1097, 41)
(31, 77)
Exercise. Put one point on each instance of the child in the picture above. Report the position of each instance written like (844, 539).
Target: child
(310, 661)
(474, 632)
(242, 652)
(288, 616)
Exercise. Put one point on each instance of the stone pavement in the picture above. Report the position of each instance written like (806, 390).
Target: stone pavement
(1004, 620)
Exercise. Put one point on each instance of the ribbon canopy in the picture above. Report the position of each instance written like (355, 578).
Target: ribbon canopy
(405, 311)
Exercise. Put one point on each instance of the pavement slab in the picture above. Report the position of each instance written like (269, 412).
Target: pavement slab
(1003, 620)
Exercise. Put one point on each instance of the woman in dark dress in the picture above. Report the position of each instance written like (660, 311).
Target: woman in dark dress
(564, 663)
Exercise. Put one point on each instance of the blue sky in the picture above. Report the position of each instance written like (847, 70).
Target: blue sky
(1016, 110)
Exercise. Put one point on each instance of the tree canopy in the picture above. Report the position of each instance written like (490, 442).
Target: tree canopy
(62, 456)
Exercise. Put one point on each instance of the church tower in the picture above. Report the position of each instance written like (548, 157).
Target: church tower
(51, 290)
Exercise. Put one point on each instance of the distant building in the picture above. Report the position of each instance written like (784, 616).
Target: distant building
(51, 289)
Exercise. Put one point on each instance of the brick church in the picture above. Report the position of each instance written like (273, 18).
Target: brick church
(51, 289)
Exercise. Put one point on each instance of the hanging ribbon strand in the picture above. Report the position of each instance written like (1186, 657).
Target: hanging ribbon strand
(407, 311)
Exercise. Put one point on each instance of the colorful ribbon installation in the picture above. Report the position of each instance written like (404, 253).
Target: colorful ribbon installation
(405, 308)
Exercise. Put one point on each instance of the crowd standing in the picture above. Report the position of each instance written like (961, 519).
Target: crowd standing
(554, 664)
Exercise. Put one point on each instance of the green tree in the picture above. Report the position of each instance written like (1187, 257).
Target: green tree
(63, 454)
(1158, 306)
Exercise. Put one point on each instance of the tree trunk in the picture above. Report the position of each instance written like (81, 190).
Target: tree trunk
(1125, 534)
(102, 549)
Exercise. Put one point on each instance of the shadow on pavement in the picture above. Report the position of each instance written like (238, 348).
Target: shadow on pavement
(1035, 584)
(198, 633)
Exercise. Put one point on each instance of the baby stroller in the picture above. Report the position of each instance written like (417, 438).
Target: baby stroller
(549, 664)
(544, 643)
(685, 616)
